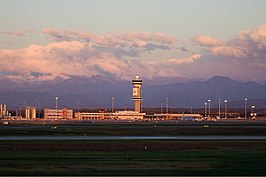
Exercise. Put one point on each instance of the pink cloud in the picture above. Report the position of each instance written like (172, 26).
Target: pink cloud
(256, 35)
(189, 59)
(248, 43)
(74, 53)
(227, 51)
(206, 40)
(69, 58)
(141, 40)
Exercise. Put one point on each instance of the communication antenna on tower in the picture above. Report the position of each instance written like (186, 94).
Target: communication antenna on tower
(113, 104)
(166, 105)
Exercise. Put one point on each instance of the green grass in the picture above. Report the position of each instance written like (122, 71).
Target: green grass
(132, 163)
(218, 161)
(129, 157)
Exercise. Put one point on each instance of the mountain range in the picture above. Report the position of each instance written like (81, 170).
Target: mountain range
(97, 91)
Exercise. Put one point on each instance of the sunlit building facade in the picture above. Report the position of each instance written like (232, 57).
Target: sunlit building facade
(58, 113)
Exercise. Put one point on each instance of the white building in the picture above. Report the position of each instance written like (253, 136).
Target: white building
(120, 115)
(89, 116)
(128, 115)
(58, 113)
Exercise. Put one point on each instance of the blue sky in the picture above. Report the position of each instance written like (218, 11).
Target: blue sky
(34, 22)
(181, 18)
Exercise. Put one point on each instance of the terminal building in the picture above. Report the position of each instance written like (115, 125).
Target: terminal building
(89, 116)
(128, 115)
(119, 115)
(58, 113)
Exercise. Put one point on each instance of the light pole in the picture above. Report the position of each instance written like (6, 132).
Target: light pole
(205, 104)
(113, 104)
(246, 108)
(56, 105)
(225, 109)
(209, 101)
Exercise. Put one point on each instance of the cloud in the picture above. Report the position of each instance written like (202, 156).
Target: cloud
(75, 53)
(132, 40)
(85, 54)
(189, 59)
(255, 36)
(227, 51)
(69, 35)
(249, 43)
(253, 42)
(204, 40)
(17, 33)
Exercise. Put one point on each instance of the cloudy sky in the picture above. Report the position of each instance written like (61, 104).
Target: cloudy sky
(42, 39)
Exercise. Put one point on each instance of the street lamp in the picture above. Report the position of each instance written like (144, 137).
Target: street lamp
(209, 101)
(56, 105)
(225, 109)
(205, 104)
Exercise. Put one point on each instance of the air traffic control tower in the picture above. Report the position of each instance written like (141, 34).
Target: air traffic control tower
(137, 82)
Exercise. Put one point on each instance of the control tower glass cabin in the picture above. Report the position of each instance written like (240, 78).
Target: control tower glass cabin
(137, 82)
